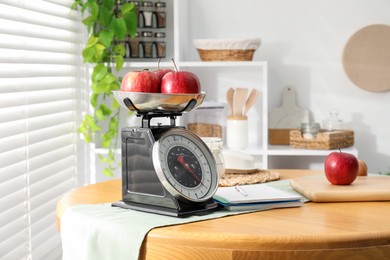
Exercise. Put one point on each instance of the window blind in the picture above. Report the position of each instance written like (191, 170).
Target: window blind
(41, 99)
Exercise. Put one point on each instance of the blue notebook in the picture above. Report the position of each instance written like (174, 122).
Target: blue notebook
(256, 197)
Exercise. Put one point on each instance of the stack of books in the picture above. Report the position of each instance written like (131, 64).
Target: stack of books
(256, 197)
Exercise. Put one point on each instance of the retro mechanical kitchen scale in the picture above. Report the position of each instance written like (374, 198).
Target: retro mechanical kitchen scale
(165, 168)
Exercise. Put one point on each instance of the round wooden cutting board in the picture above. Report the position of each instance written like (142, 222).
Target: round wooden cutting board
(366, 58)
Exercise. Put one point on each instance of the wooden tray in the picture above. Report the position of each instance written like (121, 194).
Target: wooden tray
(364, 188)
(325, 140)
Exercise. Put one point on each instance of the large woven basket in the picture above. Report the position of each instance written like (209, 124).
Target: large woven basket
(226, 55)
(325, 140)
(226, 49)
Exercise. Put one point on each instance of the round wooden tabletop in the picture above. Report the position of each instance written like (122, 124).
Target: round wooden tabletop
(354, 230)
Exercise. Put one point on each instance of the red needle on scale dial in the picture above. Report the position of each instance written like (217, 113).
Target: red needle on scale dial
(186, 167)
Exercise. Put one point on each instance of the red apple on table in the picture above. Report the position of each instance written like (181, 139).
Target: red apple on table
(341, 168)
(140, 81)
(179, 82)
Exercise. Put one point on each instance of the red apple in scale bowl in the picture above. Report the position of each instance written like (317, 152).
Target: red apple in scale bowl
(341, 168)
(140, 81)
(180, 82)
(160, 73)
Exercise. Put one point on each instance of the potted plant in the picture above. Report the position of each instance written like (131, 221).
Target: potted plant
(109, 22)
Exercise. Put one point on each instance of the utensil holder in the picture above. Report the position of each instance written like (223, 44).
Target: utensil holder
(237, 132)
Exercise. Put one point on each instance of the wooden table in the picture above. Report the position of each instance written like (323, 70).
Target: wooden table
(358, 230)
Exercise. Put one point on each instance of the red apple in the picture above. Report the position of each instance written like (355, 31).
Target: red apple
(160, 73)
(341, 168)
(178, 82)
(140, 81)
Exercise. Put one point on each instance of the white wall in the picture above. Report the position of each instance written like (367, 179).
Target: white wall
(303, 42)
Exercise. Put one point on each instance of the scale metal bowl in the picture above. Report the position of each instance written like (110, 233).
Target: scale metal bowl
(142, 102)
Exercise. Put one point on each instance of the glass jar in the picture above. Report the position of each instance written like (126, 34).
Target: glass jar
(333, 122)
(147, 14)
(215, 145)
(160, 13)
(147, 44)
(160, 44)
(310, 130)
(207, 120)
(134, 46)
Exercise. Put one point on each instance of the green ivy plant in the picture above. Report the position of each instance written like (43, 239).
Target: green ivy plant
(107, 26)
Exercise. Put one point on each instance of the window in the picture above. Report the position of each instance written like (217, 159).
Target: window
(41, 99)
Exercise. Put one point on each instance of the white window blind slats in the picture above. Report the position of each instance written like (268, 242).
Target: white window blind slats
(36, 57)
(57, 8)
(9, 114)
(42, 70)
(44, 250)
(41, 85)
(50, 120)
(10, 215)
(39, 191)
(37, 31)
(48, 97)
(52, 168)
(11, 205)
(9, 70)
(34, 100)
(34, 44)
(12, 143)
(12, 13)
(12, 185)
(52, 133)
(17, 252)
(12, 249)
(43, 159)
(13, 157)
(13, 171)
(11, 85)
(14, 226)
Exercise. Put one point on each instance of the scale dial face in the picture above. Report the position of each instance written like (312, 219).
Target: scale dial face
(185, 165)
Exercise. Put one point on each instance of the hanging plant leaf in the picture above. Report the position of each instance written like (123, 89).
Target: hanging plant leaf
(109, 78)
(94, 100)
(99, 53)
(105, 37)
(105, 16)
(91, 41)
(99, 72)
(130, 19)
(126, 8)
(106, 24)
(119, 61)
(118, 26)
(100, 87)
(109, 4)
(89, 54)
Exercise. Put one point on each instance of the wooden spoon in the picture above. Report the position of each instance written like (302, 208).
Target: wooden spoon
(251, 99)
(239, 99)
(229, 98)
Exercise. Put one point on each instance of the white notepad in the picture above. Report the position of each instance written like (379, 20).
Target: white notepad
(254, 193)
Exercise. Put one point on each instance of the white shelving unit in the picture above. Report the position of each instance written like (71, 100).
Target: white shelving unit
(217, 77)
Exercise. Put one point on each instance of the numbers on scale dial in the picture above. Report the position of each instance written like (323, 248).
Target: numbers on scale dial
(186, 169)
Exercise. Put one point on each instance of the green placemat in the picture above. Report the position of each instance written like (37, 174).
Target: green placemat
(99, 231)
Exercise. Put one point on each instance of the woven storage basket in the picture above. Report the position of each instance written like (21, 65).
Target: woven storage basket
(226, 55)
(325, 140)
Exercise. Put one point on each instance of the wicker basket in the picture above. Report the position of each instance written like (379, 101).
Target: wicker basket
(325, 140)
(226, 55)
(279, 136)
